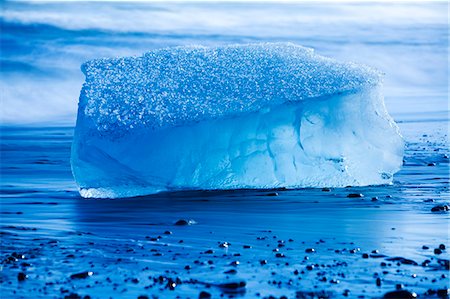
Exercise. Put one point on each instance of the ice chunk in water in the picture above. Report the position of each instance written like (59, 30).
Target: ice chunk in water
(239, 116)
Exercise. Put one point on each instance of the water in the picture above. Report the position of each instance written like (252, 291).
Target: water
(60, 234)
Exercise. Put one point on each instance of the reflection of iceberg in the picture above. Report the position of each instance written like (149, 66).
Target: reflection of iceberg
(241, 116)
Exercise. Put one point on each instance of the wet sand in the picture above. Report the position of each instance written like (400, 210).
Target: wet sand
(312, 243)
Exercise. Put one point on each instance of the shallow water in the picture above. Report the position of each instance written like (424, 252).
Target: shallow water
(60, 234)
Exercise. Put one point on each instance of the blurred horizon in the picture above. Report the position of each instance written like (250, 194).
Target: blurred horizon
(43, 45)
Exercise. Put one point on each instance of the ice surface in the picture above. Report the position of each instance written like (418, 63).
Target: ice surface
(239, 116)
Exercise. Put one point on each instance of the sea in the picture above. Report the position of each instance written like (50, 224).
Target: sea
(381, 242)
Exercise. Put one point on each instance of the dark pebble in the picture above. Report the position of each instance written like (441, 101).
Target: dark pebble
(402, 260)
(232, 285)
(400, 294)
(21, 276)
(272, 194)
(310, 250)
(224, 245)
(234, 263)
(204, 295)
(182, 222)
(209, 251)
(167, 232)
(280, 255)
(326, 189)
(424, 247)
(247, 246)
(82, 275)
(442, 246)
(263, 262)
(365, 256)
(440, 208)
(375, 198)
(232, 271)
(437, 251)
(355, 195)
(310, 267)
(378, 282)
(443, 293)
(187, 267)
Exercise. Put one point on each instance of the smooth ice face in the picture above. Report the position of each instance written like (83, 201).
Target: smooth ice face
(240, 116)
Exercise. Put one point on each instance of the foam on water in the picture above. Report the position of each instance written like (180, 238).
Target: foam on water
(239, 116)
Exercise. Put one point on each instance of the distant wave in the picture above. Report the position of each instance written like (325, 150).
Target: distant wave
(43, 44)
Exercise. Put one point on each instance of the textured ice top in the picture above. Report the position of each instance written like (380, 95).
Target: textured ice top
(181, 85)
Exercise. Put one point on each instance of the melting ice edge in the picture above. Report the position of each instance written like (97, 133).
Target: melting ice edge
(255, 116)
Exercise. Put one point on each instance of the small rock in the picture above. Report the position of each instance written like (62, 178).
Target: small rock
(424, 247)
(441, 246)
(81, 275)
(182, 222)
(224, 245)
(355, 195)
(167, 232)
(365, 256)
(440, 208)
(310, 250)
(437, 251)
(204, 295)
(263, 262)
(378, 282)
(232, 271)
(400, 294)
(21, 276)
(326, 189)
(375, 198)
(272, 194)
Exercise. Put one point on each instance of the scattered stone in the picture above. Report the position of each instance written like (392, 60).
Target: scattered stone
(232, 286)
(204, 295)
(400, 294)
(355, 195)
(365, 256)
(167, 232)
(247, 246)
(224, 245)
(263, 262)
(441, 246)
(272, 194)
(378, 282)
(437, 251)
(374, 198)
(82, 275)
(402, 260)
(232, 271)
(21, 276)
(424, 247)
(326, 189)
(183, 222)
(440, 208)
(310, 250)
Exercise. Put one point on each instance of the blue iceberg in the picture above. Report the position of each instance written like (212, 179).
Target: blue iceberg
(253, 116)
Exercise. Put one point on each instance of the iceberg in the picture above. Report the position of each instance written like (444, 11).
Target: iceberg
(253, 116)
